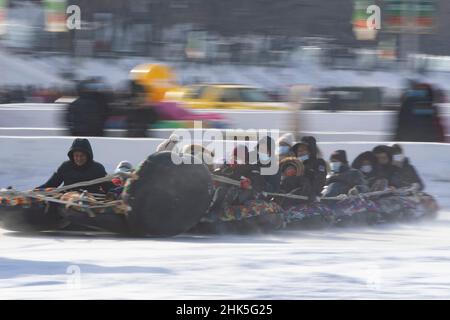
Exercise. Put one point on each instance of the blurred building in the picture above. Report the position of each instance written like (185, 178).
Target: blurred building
(245, 31)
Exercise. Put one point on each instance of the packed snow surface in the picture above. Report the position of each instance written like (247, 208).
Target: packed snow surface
(390, 261)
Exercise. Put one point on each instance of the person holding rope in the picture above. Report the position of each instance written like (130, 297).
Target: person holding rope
(80, 167)
(115, 193)
(406, 175)
(293, 181)
(366, 163)
(240, 170)
(285, 143)
(386, 170)
(315, 168)
(265, 158)
(343, 179)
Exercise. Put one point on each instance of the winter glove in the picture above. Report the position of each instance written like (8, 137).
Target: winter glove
(117, 182)
(354, 191)
(342, 197)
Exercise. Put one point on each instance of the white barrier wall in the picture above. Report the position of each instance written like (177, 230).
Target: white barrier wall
(34, 119)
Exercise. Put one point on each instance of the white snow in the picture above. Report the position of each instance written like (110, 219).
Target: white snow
(393, 261)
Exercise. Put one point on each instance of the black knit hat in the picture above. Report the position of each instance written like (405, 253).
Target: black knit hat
(298, 144)
(365, 156)
(339, 155)
(383, 149)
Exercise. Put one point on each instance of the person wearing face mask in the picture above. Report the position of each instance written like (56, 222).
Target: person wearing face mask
(239, 169)
(366, 163)
(238, 166)
(265, 154)
(285, 143)
(406, 175)
(293, 180)
(383, 155)
(419, 118)
(342, 178)
(115, 192)
(315, 167)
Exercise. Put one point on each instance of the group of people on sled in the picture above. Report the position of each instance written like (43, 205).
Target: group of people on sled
(302, 170)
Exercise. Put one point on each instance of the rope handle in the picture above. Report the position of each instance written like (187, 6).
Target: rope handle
(402, 191)
(46, 195)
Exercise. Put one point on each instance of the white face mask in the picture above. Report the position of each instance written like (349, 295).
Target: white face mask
(303, 158)
(366, 168)
(398, 157)
(335, 166)
(283, 149)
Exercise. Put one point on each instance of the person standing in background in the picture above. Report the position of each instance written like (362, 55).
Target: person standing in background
(419, 119)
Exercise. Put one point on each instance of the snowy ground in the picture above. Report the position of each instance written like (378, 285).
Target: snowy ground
(396, 261)
(392, 261)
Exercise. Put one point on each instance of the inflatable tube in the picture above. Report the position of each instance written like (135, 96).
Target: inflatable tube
(256, 224)
(167, 199)
(309, 216)
(36, 217)
(105, 221)
(251, 216)
(258, 215)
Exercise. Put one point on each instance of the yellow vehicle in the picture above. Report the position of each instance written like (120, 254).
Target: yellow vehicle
(157, 79)
(225, 96)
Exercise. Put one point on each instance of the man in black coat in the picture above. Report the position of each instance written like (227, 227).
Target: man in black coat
(81, 167)
(406, 175)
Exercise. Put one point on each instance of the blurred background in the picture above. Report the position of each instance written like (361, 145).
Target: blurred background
(142, 67)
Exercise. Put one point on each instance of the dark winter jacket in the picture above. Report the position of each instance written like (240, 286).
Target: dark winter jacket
(385, 171)
(299, 185)
(371, 176)
(405, 176)
(69, 173)
(315, 168)
(269, 183)
(344, 180)
(419, 121)
(86, 116)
